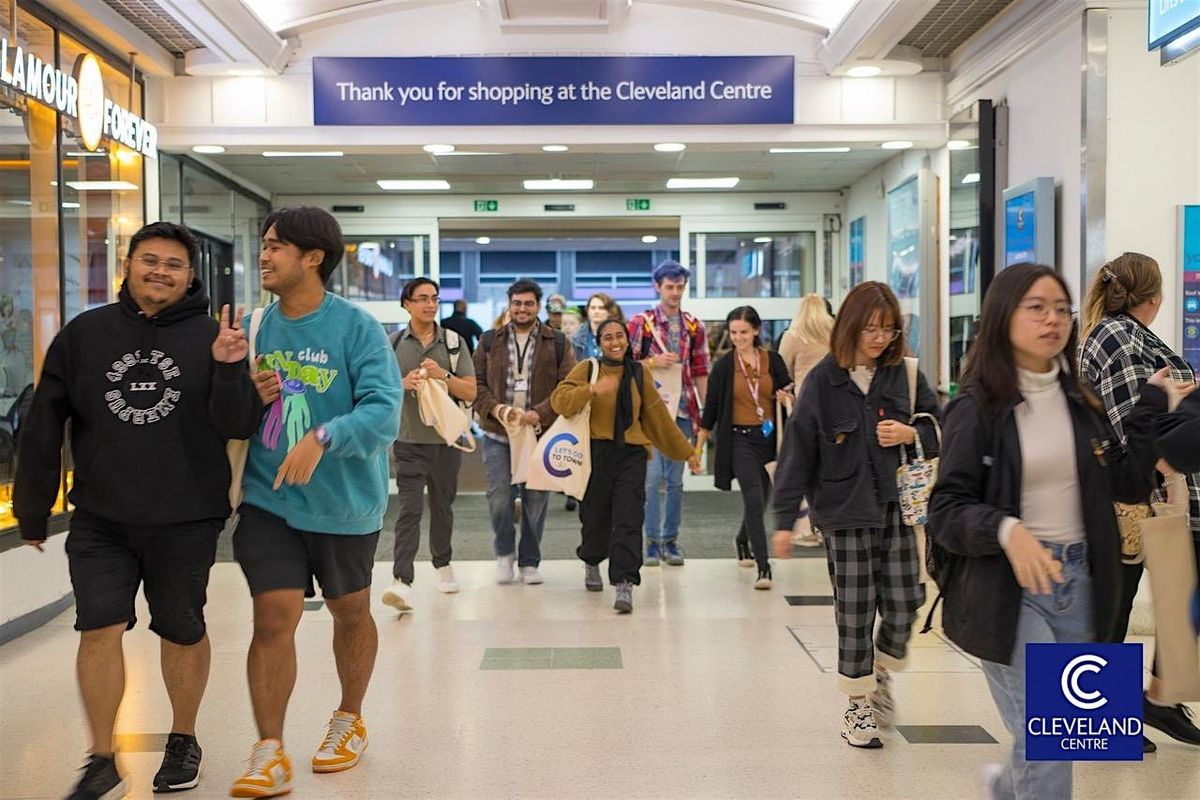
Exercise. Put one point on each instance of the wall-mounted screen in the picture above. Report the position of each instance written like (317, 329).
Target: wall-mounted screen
(1170, 19)
(858, 250)
(1029, 223)
(1189, 266)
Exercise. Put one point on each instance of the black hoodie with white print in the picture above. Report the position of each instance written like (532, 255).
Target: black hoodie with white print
(149, 411)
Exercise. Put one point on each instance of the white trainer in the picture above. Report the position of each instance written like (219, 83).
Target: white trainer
(504, 568)
(446, 583)
(530, 576)
(399, 596)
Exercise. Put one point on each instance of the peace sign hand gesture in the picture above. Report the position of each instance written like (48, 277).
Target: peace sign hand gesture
(230, 346)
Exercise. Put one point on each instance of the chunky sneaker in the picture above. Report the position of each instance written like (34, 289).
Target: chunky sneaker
(344, 743)
(180, 766)
(653, 554)
(399, 596)
(744, 557)
(881, 700)
(591, 578)
(672, 554)
(268, 774)
(1148, 746)
(624, 601)
(860, 729)
(763, 581)
(530, 576)
(989, 780)
(1175, 721)
(504, 568)
(100, 781)
(446, 583)
(572, 504)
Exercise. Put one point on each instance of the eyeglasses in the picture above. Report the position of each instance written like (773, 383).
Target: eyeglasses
(887, 334)
(523, 303)
(429, 299)
(151, 261)
(1039, 311)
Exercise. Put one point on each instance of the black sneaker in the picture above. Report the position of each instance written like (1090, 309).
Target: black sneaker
(1148, 746)
(744, 557)
(100, 781)
(180, 766)
(1175, 721)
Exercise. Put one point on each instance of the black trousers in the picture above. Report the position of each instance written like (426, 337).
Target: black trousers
(421, 467)
(613, 509)
(751, 453)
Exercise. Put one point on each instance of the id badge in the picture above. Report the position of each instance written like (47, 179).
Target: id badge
(768, 427)
(521, 385)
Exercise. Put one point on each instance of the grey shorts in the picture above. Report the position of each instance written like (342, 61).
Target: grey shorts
(274, 555)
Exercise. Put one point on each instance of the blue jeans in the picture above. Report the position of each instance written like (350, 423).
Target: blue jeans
(657, 469)
(1064, 617)
(501, 493)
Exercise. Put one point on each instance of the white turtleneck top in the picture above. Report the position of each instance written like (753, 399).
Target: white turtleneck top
(1051, 508)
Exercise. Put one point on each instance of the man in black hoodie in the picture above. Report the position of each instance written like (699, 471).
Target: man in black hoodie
(153, 387)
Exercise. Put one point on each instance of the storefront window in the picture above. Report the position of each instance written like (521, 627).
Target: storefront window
(377, 267)
(756, 264)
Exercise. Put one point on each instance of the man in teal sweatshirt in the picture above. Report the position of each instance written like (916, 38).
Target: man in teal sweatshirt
(316, 486)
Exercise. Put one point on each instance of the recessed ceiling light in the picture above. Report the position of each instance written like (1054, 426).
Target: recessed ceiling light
(303, 153)
(558, 184)
(971, 177)
(86, 154)
(70, 205)
(958, 144)
(208, 149)
(649, 238)
(865, 71)
(897, 145)
(809, 150)
(413, 185)
(670, 147)
(483, 240)
(20, 202)
(702, 183)
(555, 148)
(763, 240)
(102, 186)
(438, 149)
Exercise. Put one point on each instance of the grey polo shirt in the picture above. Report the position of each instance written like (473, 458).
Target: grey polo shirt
(409, 354)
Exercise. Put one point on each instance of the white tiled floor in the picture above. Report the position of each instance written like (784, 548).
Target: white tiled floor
(716, 698)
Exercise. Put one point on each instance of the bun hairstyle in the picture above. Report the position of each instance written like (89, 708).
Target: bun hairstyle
(1124, 283)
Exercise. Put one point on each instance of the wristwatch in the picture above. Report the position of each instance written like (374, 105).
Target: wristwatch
(323, 436)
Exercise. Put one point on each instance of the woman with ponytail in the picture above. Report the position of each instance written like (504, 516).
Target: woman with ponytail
(1118, 356)
(628, 418)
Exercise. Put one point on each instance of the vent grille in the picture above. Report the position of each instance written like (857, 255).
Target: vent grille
(950, 23)
(151, 20)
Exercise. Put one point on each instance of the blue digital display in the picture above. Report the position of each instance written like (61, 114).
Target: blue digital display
(1020, 229)
(1190, 255)
(1170, 19)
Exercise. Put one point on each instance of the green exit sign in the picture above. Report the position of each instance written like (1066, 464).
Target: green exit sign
(487, 205)
(637, 204)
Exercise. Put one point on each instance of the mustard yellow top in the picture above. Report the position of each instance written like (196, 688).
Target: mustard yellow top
(652, 425)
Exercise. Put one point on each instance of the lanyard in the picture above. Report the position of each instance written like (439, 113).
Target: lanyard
(521, 354)
(753, 385)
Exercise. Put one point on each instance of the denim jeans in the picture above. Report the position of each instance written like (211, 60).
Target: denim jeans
(1065, 616)
(661, 468)
(501, 494)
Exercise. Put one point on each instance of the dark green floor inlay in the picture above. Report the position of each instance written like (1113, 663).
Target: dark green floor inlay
(945, 734)
(551, 658)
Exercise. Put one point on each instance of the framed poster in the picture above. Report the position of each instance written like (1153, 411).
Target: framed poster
(858, 251)
(904, 256)
(964, 260)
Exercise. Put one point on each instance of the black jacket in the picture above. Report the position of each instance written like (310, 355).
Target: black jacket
(718, 409)
(150, 413)
(1179, 435)
(830, 453)
(979, 484)
(465, 327)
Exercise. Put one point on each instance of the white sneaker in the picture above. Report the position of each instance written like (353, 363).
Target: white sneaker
(504, 568)
(530, 576)
(860, 729)
(446, 583)
(989, 780)
(399, 596)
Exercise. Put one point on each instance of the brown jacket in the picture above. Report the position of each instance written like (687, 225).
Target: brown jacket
(491, 375)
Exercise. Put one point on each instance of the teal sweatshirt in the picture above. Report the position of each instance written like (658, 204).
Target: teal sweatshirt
(338, 370)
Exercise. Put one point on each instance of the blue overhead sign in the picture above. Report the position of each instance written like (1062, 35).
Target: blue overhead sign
(1170, 19)
(642, 90)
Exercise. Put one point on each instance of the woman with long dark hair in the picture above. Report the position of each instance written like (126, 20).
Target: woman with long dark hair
(1023, 503)
(1118, 355)
(841, 450)
(743, 388)
(628, 417)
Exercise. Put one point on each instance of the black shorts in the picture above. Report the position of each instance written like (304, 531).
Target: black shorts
(108, 560)
(275, 555)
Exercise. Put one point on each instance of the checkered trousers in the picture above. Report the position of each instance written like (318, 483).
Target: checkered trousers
(875, 571)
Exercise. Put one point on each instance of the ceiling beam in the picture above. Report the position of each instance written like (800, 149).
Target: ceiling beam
(871, 30)
(232, 31)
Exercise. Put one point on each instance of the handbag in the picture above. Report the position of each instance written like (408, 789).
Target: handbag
(668, 380)
(439, 411)
(236, 450)
(562, 461)
(521, 442)
(772, 464)
(915, 478)
(1130, 517)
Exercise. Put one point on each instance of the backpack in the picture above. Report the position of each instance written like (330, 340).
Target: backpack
(560, 344)
(453, 345)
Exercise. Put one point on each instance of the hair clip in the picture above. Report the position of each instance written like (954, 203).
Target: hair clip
(1106, 275)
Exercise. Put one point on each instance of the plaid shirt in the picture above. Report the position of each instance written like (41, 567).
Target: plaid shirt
(693, 350)
(1117, 357)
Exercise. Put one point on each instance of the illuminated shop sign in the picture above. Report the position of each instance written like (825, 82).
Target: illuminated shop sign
(78, 95)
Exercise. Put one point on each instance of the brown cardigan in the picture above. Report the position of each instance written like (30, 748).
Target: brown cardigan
(491, 376)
